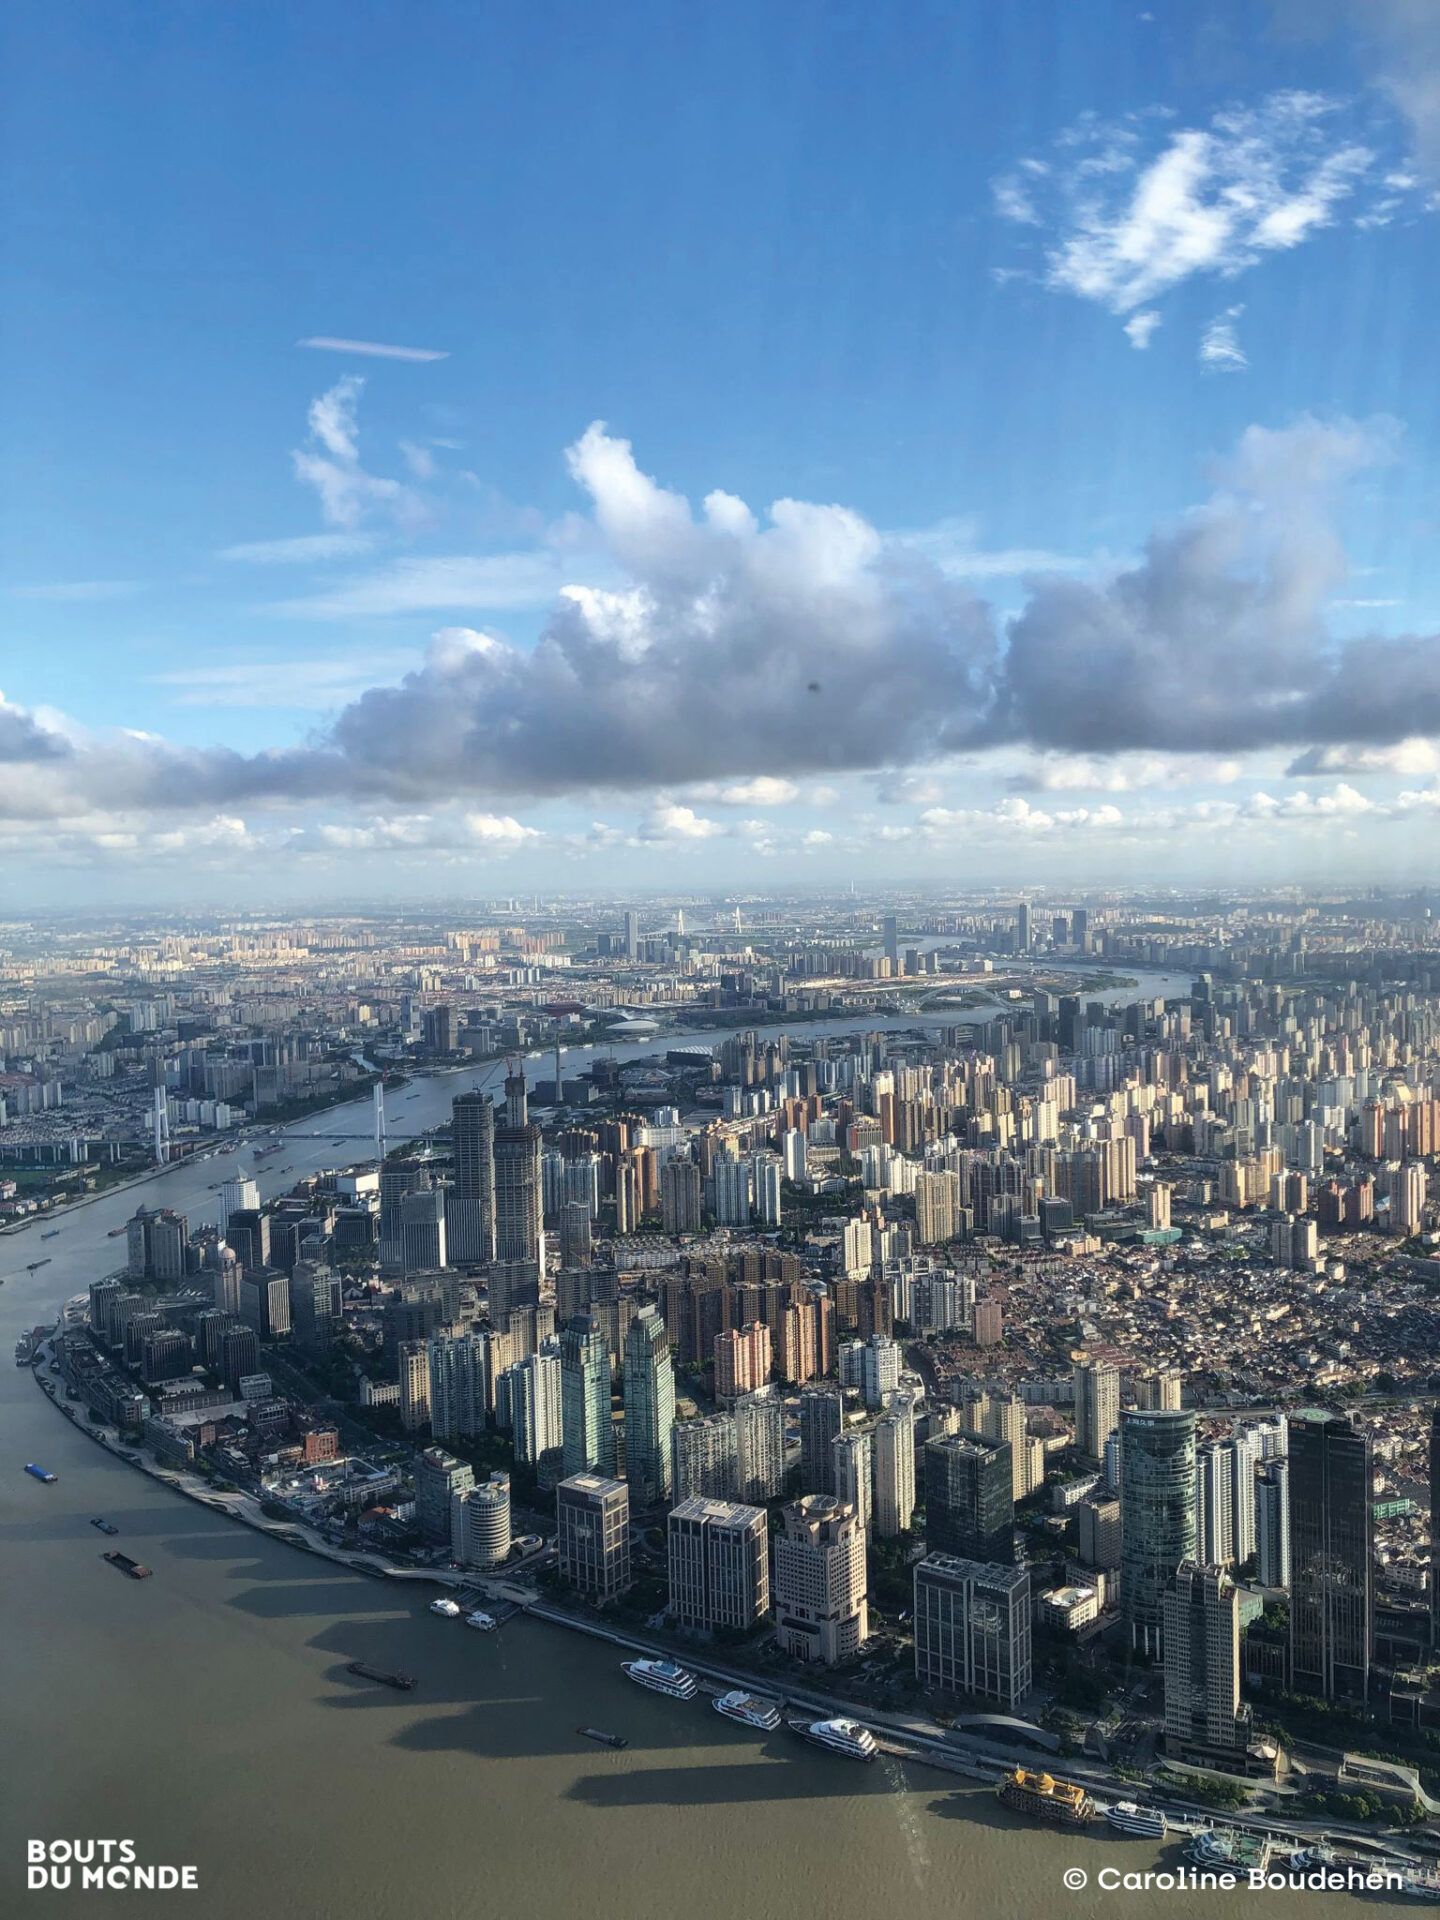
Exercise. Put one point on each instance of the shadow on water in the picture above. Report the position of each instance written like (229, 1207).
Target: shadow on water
(736, 1785)
(293, 1599)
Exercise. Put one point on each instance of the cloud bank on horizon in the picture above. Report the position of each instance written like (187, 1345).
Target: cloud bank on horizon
(739, 652)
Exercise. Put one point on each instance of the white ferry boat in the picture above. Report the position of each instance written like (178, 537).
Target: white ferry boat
(839, 1736)
(750, 1709)
(1305, 1858)
(486, 1622)
(1230, 1851)
(1143, 1823)
(446, 1608)
(661, 1676)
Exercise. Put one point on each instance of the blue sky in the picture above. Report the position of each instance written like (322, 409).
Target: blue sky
(1010, 286)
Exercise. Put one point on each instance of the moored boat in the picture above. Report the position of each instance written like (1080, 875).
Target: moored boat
(661, 1676)
(1141, 1823)
(845, 1737)
(1229, 1849)
(1304, 1858)
(486, 1622)
(1044, 1797)
(749, 1709)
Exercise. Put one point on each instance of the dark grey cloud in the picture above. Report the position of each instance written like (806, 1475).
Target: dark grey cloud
(24, 738)
(1217, 641)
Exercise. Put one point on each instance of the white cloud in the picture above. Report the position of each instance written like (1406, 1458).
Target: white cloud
(372, 349)
(1013, 200)
(1016, 817)
(764, 790)
(667, 821)
(1124, 773)
(331, 462)
(299, 551)
(1220, 348)
(1130, 210)
(1405, 757)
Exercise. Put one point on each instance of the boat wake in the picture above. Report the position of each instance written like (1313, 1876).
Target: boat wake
(911, 1829)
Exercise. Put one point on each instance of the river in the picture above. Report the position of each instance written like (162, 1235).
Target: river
(206, 1714)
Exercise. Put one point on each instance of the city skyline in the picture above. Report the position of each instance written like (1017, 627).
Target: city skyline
(1038, 489)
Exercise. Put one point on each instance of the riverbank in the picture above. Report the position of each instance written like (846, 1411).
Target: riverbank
(906, 1738)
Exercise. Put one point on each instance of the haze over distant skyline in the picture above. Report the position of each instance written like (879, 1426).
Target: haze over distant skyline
(490, 450)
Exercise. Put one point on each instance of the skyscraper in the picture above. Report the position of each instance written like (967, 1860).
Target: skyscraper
(820, 1608)
(894, 1469)
(592, 1535)
(1157, 1516)
(969, 1498)
(519, 1194)
(470, 1210)
(1331, 1557)
(461, 1392)
(853, 1474)
(439, 1477)
(719, 1564)
(1024, 933)
(1272, 1525)
(536, 1419)
(589, 1441)
(399, 1176)
(1204, 1720)
(759, 1447)
(1097, 1407)
(422, 1230)
(414, 1359)
(1214, 1505)
(822, 1416)
(317, 1310)
(890, 932)
(236, 1196)
(972, 1629)
(704, 1458)
(680, 1197)
(742, 1360)
(649, 1389)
